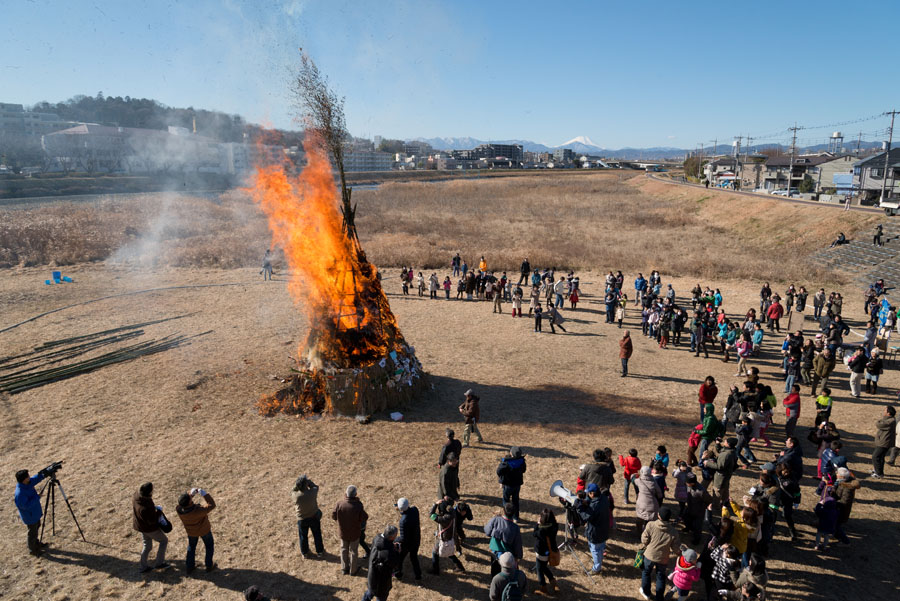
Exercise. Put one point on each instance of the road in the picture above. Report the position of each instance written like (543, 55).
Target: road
(801, 201)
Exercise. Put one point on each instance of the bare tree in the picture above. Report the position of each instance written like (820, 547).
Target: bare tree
(323, 112)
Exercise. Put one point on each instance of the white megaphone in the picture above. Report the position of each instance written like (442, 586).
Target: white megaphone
(558, 490)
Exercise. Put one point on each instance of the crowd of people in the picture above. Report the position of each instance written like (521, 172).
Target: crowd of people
(692, 526)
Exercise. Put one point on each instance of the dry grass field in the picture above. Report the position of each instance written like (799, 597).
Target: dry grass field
(556, 396)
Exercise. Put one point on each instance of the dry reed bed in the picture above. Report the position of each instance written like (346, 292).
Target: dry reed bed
(589, 221)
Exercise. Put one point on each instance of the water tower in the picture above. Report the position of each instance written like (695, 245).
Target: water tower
(836, 143)
(736, 148)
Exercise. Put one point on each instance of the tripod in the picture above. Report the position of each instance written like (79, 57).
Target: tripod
(570, 539)
(50, 501)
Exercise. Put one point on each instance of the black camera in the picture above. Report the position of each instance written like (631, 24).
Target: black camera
(51, 469)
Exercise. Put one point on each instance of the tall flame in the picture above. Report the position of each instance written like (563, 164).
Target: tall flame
(350, 320)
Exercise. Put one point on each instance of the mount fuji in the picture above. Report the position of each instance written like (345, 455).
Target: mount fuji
(583, 145)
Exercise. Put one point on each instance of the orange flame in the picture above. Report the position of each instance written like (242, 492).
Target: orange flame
(330, 275)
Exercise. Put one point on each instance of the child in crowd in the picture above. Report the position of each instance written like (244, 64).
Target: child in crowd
(517, 301)
(693, 445)
(632, 467)
(823, 406)
(573, 299)
(686, 572)
(827, 512)
(620, 312)
(538, 315)
(658, 471)
(535, 299)
(420, 282)
(681, 494)
(447, 285)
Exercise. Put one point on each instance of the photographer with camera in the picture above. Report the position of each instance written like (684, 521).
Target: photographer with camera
(28, 502)
(196, 524)
(309, 516)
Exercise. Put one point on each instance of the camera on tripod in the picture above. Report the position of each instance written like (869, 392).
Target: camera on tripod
(50, 470)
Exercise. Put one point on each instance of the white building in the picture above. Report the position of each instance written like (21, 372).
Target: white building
(368, 160)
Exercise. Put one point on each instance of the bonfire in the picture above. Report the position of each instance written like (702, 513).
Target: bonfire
(354, 361)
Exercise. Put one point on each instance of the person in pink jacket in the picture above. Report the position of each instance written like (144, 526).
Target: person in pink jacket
(686, 573)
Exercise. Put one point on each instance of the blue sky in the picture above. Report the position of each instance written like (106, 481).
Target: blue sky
(625, 74)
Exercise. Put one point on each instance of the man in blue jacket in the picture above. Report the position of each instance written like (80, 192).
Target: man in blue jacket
(410, 537)
(640, 289)
(595, 514)
(28, 502)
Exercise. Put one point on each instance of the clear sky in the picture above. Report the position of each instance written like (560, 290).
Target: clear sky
(641, 73)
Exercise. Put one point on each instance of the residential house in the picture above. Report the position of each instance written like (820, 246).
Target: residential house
(776, 175)
(840, 166)
(869, 176)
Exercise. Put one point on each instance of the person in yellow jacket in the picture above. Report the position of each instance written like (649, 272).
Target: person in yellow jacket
(196, 523)
(746, 526)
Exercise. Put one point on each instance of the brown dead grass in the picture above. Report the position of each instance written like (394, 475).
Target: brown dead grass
(579, 221)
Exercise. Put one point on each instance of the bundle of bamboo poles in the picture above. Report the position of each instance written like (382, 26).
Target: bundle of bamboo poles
(20, 382)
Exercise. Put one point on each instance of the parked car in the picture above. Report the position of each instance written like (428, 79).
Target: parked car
(786, 192)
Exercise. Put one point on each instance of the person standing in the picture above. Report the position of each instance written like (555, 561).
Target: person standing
(659, 541)
(823, 365)
(524, 271)
(555, 319)
(28, 502)
(146, 521)
(775, 312)
(545, 542)
(443, 514)
(707, 395)
(452, 445)
(818, 303)
(509, 582)
(650, 497)
(309, 516)
(877, 238)
(350, 517)
(595, 513)
(626, 348)
(724, 465)
(409, 537)
(383, 559)
(196, 523)
(505, 535)
(267, 265)
(884, 440)
(640, 289)
(448, 480)
(844, 493)
(456, 263)
(560, 289)
(510, 472)
(791, 410)
(857, 365)
(471, 412)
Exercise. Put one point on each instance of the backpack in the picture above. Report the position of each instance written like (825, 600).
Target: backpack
(512, 592)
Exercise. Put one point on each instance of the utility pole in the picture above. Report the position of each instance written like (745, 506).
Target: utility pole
(699, 160)
(738, 169)
(858, 142)
(791, 164)
(715, 146)
(887, 155)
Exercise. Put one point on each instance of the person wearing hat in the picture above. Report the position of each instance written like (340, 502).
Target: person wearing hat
(309, 516)
(350, 517)
(196, 524)
(687, 572)
(383, 559)
(252, 593)
(409, 537)
(510, 473)
(844, 493)
(472, 413)
(595, 513)
(28, 502)
(509, 578)
(659, 541)
(650, 496)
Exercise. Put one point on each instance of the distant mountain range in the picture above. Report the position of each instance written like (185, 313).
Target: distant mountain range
(584, 145)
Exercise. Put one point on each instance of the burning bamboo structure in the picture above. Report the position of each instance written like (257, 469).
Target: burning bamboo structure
(354, 361)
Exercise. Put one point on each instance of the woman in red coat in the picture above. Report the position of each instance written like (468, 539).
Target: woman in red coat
(708, 392)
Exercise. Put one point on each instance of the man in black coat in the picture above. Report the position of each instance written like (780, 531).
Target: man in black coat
(524, 271)
(452, 445)
(510, 472)
(383, 559)
(598, 472)
(409, 537)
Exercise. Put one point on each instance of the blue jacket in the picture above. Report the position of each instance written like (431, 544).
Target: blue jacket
(28, 501)
(410, 534)
(596, 517)
(510, 471)
(640, 284)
